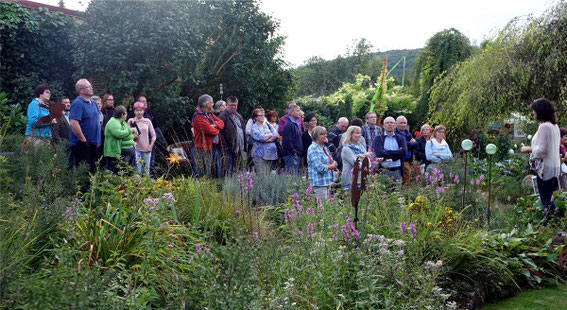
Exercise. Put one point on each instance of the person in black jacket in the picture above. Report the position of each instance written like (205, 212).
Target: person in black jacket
(391, 148)
(420, 150)
(311, 122)
(401, 124)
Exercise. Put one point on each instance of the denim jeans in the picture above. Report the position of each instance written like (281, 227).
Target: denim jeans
(216, 161)
(546, 189)
(143, 161)
(233, 162)
(321, 192)
(291, 164)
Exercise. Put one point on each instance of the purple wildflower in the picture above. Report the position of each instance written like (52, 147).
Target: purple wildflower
(456, 179)
(334, 237)
(310, 229)
(207, 250)
(308, 191)
(168, 196)
(472, 182)
(440, 190)
(298, 233)
(412, 229)
(255, 235)
(198, 248)
(481, 177)
(403, 227)
(152, 202)
(249, 181)
(344, 230)
(69, 212)
(478, 181)
(236, 212)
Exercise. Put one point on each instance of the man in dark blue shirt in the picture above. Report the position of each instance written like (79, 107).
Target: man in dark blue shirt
(84, 137)
(291, 142)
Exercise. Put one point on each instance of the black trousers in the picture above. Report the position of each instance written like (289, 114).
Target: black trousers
(84, 152)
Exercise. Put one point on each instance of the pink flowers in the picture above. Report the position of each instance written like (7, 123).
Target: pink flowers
(236, 212)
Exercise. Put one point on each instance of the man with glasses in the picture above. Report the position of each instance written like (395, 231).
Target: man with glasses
(391, 148)
(233, 139)
(370, 130)
(84, 137)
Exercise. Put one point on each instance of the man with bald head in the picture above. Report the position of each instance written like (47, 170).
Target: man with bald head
(391, 147)
(84, 137)
(336, 131)
(401, 129)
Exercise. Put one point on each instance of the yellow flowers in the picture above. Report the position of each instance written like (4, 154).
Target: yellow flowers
(173, 159)
(121, 191)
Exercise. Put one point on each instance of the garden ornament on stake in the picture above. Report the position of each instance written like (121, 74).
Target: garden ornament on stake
(490, 150)
(361, 168)
(466, 145)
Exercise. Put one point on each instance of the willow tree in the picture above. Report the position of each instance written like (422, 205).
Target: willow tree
(526, 60)
(442, 50)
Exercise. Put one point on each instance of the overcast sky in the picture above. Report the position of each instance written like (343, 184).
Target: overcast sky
(326, 27)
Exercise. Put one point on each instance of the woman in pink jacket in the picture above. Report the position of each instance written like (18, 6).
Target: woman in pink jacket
(145, 140)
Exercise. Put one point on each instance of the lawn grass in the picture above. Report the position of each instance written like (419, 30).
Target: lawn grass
(548, 299)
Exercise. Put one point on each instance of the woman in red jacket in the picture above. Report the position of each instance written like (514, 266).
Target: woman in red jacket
(206, 127)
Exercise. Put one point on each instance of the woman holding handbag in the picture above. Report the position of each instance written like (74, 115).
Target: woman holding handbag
(544, 157)
(264, 150)
(38, 108)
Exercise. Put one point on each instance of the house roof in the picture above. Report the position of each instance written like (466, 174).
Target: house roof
(52, 8)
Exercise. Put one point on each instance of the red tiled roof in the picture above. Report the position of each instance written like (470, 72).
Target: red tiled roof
(52, 8)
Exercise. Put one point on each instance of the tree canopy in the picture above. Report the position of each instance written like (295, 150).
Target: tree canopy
(442, 50)
(174, 51)
(35, 47)
(526, 61)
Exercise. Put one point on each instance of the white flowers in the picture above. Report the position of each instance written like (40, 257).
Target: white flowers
(529, 137)
(510, 152)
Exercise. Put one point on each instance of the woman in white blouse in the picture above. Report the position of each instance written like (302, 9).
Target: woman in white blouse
(544, 157)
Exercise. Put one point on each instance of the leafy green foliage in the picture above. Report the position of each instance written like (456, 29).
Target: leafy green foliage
(319, 77)
(442, 50)
(35, 47)
(524, 62)
(175, 51)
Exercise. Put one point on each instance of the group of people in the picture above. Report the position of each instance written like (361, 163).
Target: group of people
(94, 130)
(224, 142)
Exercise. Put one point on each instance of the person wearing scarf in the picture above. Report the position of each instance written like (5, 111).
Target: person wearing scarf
(351, 150)
(437, 149)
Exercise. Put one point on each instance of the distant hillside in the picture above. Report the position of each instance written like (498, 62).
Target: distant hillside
(394, 56)
(319, 77)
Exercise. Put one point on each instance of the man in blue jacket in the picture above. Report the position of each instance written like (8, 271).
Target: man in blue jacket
(392, 148)
(291, 142)
(412, 144)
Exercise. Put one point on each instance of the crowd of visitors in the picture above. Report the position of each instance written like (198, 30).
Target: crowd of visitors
(93, 129)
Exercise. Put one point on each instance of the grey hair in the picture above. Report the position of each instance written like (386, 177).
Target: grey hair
(291, 108)
(96, 98)
(400, 117)
(317, 131)
(218, 104)
(203, 100)
(370, 113)
(79, 83)
(119, 111)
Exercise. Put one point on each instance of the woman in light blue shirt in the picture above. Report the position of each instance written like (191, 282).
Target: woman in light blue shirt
(437, 149)
(264, 150)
